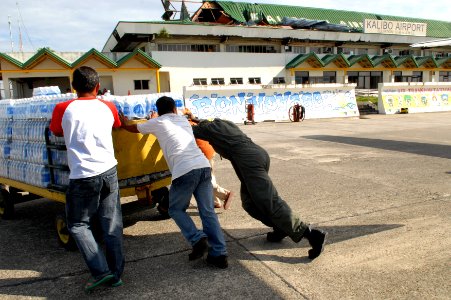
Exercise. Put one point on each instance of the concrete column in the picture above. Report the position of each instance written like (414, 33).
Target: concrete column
(434, 76)
(6, 87)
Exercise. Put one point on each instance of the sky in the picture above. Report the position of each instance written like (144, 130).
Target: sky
(67, 25)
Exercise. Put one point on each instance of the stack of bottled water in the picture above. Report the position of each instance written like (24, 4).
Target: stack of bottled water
(23, 152)
(141, 106)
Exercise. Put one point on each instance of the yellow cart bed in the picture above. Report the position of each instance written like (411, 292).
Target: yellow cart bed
(142, 172)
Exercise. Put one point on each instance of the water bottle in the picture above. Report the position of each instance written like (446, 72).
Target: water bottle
(3, 109)
(45, 176)
(119, 103)
(127, 107)
(139, 107)
(5, 149)
(10, 109)
(4, 165)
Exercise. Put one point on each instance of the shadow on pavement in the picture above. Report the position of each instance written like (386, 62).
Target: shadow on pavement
(435, 150)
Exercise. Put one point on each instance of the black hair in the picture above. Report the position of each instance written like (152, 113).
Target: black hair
(85, 79)
(165, 105)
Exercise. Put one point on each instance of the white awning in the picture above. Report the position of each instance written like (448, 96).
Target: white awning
(434, 43)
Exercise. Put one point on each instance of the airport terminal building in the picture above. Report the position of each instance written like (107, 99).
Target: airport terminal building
(226, 43)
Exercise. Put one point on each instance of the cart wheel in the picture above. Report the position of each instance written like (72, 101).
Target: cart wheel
(6, 205)
(64, 237)
(161, 197)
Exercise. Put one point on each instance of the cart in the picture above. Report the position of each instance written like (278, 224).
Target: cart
(142, 172)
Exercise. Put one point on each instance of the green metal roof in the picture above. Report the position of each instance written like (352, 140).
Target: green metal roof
(142, 55)
(427, 61)
(96, 53)
(383, 60)
(302, 58)
(11, 60)
(405, 59)
(274, 13)
(44, 52)
(47, 52)
(353, 59)
(386, 60)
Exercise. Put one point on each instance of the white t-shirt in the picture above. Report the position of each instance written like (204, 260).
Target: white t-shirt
(177, 141)
(86, 124)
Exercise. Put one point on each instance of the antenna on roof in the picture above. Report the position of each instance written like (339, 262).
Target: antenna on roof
(20, 31)
(10, 34)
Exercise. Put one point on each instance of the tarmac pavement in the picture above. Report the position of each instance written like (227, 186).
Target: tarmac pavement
(380, 185)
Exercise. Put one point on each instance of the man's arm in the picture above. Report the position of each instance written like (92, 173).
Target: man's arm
(190, 116)
(129, 127)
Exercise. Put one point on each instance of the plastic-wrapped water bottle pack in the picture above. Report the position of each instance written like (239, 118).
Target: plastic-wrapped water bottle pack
(23, 152)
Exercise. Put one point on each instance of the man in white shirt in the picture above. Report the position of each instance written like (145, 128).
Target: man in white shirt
(93, 192)
(191, 175)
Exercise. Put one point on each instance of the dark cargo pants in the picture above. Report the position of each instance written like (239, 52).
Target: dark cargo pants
(259, 196)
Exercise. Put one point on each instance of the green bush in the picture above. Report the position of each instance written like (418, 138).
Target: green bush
(367, 98)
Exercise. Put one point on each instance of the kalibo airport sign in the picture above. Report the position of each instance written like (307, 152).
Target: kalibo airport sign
(394, 27)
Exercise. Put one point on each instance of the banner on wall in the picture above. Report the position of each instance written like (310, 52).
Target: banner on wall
(427, 97)
(321, 101)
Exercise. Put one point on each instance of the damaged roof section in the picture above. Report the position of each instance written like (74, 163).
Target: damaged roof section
(242, 13)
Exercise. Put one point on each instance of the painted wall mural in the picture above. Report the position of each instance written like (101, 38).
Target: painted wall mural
(272, 103)
(416, 98)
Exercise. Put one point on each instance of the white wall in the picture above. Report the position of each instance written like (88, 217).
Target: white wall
(182, 66)
(123, 82)
(272, 103)
(415, 96)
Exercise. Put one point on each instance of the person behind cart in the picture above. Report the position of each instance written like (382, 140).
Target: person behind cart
(191, 175)
(221, 196)
(258, 194)
(93, 191)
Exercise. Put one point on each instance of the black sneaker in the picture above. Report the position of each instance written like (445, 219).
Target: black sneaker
(199, 249)
(275, 236)
(317, 239)
(218, 261)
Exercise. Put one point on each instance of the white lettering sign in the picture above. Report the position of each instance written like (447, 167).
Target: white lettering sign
(394, 27)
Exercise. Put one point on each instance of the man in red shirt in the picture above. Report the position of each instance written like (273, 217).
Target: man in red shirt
(93, 191)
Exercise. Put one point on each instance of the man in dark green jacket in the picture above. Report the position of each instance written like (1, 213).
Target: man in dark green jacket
(258, 194)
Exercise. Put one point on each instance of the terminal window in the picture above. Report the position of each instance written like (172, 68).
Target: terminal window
(141, 84)
(217, 81)
(188, 48)
(236, 80)
(417, 76)
(445, 76)
(329, 77)
(200, 81)
(251, 48)
(298, 49)
(255, 80)
(278, 80)
(301, 77)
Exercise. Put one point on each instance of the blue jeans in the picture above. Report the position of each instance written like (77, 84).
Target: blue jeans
(96, 199)
(197, 182)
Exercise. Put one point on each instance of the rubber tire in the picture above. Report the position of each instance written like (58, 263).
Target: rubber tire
(162, 198)
(63, 235)
(6, 205)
